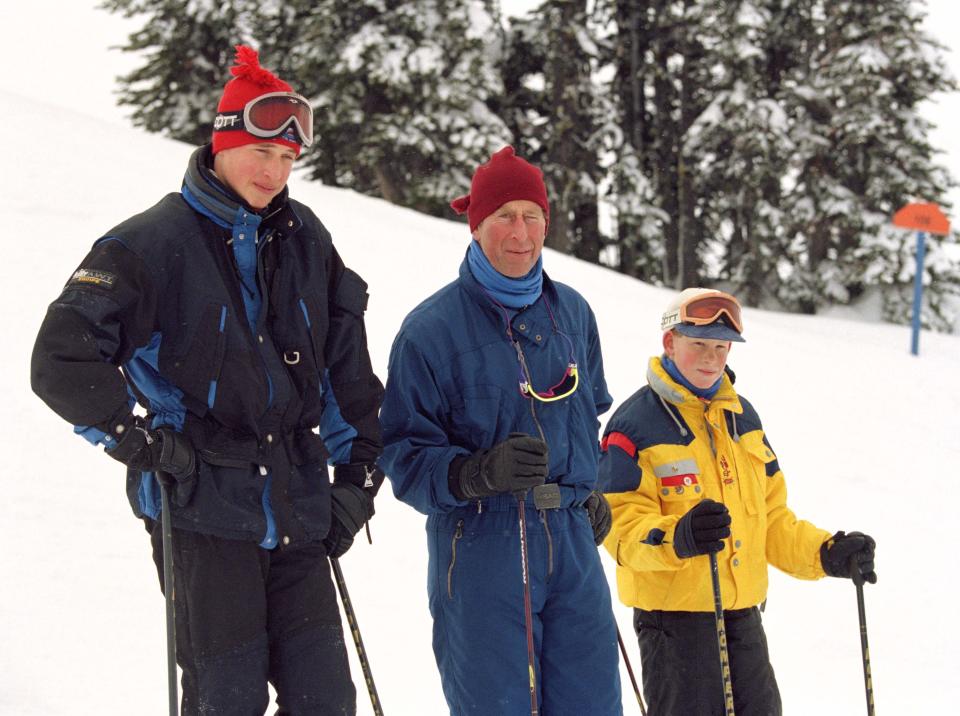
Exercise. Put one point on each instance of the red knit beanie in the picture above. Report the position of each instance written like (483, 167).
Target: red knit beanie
(506, 177)
(250, 80)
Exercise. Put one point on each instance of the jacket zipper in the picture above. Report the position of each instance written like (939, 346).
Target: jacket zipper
(453, 558)
(709, 429)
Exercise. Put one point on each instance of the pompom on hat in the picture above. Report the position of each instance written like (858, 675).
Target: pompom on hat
(250, 81)
(505, 177)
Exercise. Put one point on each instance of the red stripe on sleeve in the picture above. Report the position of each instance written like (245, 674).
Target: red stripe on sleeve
(621, 441)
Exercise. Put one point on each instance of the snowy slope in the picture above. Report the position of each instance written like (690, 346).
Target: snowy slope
(865, 432)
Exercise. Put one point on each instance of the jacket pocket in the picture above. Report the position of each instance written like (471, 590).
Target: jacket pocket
(678, 483)
(477, 416)
(195, 369)
(761, 466)
(227, 499)
(346, 335)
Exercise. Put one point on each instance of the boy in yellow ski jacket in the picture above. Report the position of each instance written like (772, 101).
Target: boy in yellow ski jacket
(688, 470)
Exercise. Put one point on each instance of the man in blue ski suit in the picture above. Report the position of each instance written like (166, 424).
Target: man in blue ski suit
(225, 311)
(471, 426)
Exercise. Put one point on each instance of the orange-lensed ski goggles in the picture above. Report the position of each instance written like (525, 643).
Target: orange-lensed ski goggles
(271, 115)
(703, 310)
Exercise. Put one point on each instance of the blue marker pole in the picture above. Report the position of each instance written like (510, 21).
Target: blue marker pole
(918, 292)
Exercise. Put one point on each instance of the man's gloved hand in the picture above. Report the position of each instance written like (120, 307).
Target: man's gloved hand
(350, 507)
(850, 556)
(600, 517)
(701, 530)
(517, 464)
(167, 454)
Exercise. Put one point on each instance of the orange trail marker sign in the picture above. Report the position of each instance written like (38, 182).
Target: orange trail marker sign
(923, 218)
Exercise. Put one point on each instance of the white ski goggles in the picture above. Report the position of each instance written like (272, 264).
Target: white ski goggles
(276, 114)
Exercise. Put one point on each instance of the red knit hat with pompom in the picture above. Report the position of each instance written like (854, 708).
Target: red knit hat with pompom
(506, 177)
(250, 80)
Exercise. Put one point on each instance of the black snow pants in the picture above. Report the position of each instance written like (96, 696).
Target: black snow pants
(246, 616)
(681, 663)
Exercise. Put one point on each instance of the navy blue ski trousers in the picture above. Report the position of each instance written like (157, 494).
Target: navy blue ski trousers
(246, 616)
(476, 599)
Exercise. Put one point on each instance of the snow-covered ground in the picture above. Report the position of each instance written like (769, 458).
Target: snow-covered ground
(866, 434)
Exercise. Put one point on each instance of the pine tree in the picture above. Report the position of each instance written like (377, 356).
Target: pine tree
(639, 225)
(402, 91)
(742, 141)
(557, 48)
(187, 44)
(861, 153)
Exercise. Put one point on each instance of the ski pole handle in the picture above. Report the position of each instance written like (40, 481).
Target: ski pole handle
(855, 574)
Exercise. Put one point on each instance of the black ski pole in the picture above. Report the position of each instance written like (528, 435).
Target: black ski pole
(633, 679)
(169, 594)
(864, 649)
(721, 637)
(527, 607)
(357, 639)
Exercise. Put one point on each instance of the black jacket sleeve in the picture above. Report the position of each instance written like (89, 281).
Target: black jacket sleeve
(103, 314)
(356, 389)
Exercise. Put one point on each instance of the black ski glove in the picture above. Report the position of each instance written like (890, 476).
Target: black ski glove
(350, 508)
(167, 454)
(850, 556)
(515, 465)
(369, 477)
(600, 517)
(701, 529)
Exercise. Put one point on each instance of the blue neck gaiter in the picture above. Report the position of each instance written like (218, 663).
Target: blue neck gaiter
(674, 372)
(512, 292)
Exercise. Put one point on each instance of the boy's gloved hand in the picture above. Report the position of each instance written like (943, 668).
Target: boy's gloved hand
(601, 518)
(850, 556)
(701, 530)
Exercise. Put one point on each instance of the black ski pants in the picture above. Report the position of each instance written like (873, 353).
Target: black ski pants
(681, 663)
(246, 616)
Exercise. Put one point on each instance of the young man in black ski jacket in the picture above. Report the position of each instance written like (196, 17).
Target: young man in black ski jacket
(227, 314)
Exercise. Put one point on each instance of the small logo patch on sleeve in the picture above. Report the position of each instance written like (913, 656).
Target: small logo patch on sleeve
(92, 277)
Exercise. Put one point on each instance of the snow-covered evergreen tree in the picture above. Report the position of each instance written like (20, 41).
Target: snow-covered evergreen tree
(638, 225)
(553, 101)
(402, 90)
(402, 93)
(187, 46)
(862, 152)
(761, 145)
(742, 145)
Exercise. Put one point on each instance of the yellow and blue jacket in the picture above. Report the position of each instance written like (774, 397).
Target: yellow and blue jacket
(664, 450)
